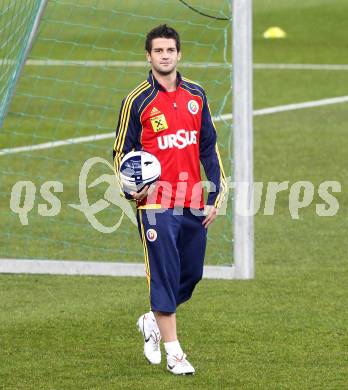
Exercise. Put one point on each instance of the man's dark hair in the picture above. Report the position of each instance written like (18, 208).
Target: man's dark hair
(162, 31)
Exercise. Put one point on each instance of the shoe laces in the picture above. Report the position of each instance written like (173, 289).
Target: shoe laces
(156, 338)
(180, 359)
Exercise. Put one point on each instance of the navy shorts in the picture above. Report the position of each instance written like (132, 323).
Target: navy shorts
(174, 242)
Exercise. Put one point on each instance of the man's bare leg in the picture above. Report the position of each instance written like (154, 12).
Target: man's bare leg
(167, 325)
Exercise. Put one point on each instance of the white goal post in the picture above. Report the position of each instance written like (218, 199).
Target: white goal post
(243, 138)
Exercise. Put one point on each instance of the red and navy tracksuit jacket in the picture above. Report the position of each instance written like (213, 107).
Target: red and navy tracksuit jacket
(178, 129)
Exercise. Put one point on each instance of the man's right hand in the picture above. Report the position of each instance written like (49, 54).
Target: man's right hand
(139, 196)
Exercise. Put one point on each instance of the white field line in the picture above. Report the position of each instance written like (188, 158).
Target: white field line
(301, 66)
(97, 137)
(56, 144)
(139, 64)
(62, 267)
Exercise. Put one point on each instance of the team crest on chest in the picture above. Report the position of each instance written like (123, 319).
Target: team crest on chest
(193, 107)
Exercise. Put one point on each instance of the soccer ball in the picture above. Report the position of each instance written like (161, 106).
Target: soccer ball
(138, 169)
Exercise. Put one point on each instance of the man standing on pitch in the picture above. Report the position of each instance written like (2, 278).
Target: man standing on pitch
(168, 115)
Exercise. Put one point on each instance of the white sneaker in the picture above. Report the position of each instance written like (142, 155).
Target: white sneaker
(147, 325)
(179, 365)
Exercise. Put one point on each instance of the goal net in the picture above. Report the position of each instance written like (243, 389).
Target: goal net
(18, 21)
(57, 195)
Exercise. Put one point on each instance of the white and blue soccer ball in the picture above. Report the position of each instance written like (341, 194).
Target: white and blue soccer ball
(138, 168)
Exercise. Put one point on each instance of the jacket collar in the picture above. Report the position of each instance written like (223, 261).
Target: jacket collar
(155, 84)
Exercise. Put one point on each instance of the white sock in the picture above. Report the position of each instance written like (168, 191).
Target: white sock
(173, 348)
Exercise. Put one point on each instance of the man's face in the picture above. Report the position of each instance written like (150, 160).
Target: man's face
(164, 56)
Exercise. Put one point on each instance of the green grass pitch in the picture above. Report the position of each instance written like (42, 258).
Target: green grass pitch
(284, 330)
